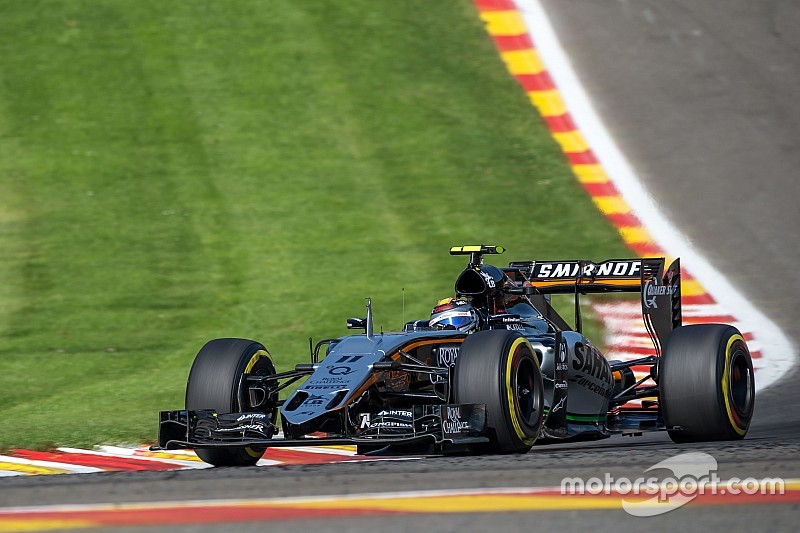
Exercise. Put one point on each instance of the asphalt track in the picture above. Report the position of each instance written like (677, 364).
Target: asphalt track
(699, 96)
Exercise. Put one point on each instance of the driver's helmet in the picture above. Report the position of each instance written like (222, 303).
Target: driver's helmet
(455, 313)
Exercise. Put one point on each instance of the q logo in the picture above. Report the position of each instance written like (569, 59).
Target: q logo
(340, 370)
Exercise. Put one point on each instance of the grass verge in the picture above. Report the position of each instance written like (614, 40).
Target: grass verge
(175, 172)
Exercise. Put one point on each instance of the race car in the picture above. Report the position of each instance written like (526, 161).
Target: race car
(495, 369)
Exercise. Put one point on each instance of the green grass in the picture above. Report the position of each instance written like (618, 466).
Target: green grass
(171, 172)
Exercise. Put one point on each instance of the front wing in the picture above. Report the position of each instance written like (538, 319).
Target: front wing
(444, 427)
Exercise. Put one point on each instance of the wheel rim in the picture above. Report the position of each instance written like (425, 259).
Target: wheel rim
(260, 365)
(740, 383)
(526, 393)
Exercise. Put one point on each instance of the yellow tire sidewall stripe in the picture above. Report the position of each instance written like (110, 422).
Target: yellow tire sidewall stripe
(510, 391)
(726, 384)
(255, 358)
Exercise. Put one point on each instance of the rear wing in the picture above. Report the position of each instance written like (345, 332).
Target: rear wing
(660, 289)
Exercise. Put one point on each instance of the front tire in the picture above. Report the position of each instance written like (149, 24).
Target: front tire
(215, 382)
(706, 383)
(499, 368)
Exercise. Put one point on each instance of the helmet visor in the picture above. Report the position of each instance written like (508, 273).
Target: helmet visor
(452, 319)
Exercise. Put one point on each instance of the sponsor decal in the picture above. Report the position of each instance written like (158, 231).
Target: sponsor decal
(603, 389)
(332, 380)
(653, 289)
(446, 355)
(340, 370)
(572, 269)
(314, 400)
(326, 383)
(364, 419)
(590, 362)
(387, 424)
(560, 384)
(255, 427)
(397, 412)
(251, 416)
(562, 367)
(386, 419)
(489, 279)
(453, 423)
(559, 405)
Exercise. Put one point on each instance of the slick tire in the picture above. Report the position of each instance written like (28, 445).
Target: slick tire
(706, 382)
(215, 382)
(499, 368)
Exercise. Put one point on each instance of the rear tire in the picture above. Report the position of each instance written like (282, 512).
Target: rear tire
(707, 385)
(215, 382)
(499, 368)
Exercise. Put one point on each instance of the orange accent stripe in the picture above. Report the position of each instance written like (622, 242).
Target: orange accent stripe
(597, 281)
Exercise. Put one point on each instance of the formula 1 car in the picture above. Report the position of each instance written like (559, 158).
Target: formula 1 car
(524, 377)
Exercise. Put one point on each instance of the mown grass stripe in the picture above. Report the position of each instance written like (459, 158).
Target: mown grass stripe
(175, 173)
